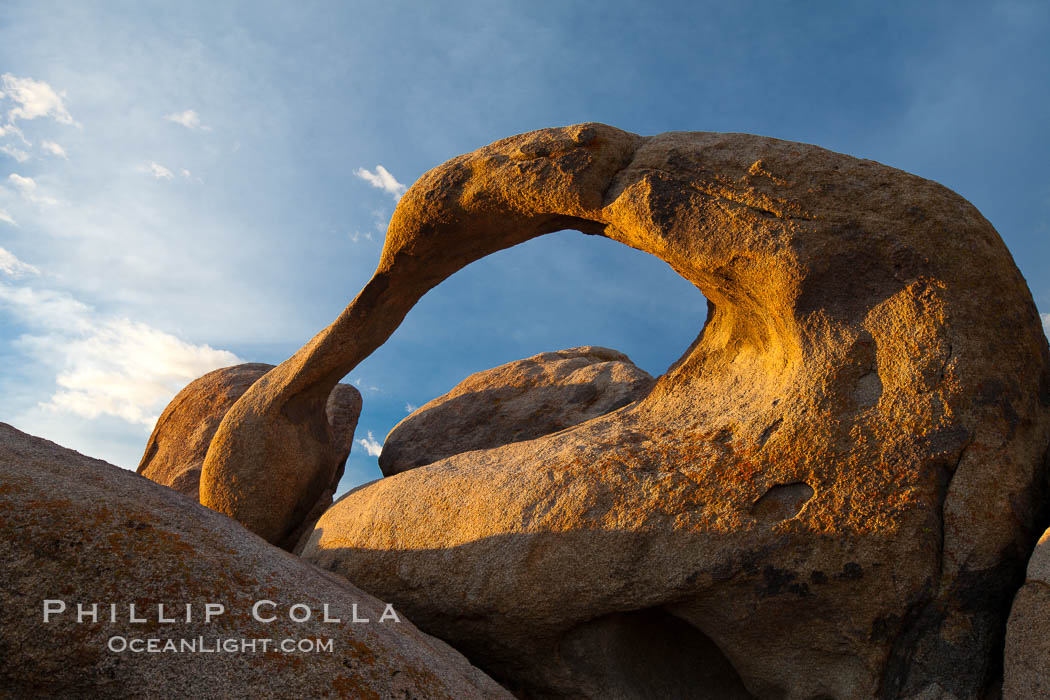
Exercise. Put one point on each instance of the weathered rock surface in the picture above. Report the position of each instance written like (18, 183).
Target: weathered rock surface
(834, 488)
(176, 449)
(517, 401)
(78, 530)
(1026, 666)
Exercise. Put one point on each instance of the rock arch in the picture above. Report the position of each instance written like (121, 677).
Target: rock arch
(823, 270)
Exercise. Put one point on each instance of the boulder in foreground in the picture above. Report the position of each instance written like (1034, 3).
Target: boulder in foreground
(80, 531)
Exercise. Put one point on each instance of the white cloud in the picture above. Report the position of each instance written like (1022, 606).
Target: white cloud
(381, 220)
(6, 218)
(6, 129)
(105, 366)
(383, 180)
(18, 154)
(189, 119)
(371, 445)
(46, 309)
(54, 149)
(11, 265)
(24, 184)
(28, 187)
(157, 170)
(130, 370)
(409, 408)
(359, 383)
(357, 236)
(1046, 324)
(35, 99)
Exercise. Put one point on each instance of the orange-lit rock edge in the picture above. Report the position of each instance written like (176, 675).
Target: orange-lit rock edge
(870, 337)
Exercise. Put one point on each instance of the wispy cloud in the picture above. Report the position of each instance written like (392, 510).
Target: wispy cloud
(186, 174)
(18, 154)
(359, 383)
(34, 99)
(1046, 324)
(357, 236)
(102, 365)
(371, 445)
(29, 190)
(189, 119)
(24, 184)
(54, 149)
(383, 180)
(11, 265)
(31, 99)
(411, 408)
(157, 170)
(6, 218)
(381, 220)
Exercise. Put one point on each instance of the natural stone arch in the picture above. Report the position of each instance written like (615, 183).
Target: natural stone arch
(850, 353)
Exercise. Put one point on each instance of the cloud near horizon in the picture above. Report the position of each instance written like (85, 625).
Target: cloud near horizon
(101, 365)
(382, 179)
(1046, 323)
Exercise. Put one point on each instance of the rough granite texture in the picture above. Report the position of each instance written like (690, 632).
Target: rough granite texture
(1027, 658)
(79, 530)
(834, 489)
(517, 401)
(176, 449)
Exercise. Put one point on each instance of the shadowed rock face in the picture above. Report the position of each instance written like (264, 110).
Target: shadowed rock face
(179, 443)
(78, 530)
(870, 341)
(513, 402)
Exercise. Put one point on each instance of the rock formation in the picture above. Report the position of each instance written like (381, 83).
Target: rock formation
(78, 530)
(1027, 659)
(513, 402)
(831, 494)
(176, 448)
(179, 443)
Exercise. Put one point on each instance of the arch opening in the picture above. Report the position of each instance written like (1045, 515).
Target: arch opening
(556, 291)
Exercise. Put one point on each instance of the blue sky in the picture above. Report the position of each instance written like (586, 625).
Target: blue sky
(188, 185)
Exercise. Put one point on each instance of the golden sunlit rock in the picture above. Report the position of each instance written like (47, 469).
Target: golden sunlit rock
(831, 494)
(179, 443)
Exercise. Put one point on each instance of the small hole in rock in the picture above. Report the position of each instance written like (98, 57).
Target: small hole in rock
(782, 502)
